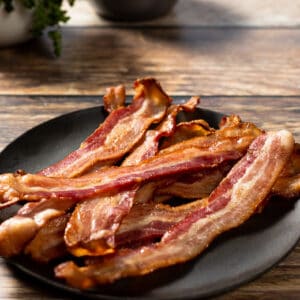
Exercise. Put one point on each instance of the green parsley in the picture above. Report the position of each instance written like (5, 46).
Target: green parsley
(46, 14)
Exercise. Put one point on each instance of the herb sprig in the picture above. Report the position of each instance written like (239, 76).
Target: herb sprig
(46, 14)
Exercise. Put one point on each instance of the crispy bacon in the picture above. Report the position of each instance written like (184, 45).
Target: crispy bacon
(229, 205)
(121, 210)
(189, 156)
(122, 129)
(91, 228)
(114, 98)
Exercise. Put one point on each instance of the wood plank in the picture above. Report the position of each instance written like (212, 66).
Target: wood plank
(20, 113)
(204, 13)
(185, 60)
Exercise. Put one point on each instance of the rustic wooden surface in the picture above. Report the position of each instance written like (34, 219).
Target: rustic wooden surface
(243, 58)
(209, 61)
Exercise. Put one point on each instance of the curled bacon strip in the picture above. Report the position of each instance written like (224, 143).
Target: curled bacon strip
(192, 155)
(229, 205)
(115, 137)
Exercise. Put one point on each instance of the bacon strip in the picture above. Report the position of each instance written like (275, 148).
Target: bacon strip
(115, 137)
(231, 204)
(193, 155)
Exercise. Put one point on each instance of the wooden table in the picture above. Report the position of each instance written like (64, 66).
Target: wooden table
(241, 58)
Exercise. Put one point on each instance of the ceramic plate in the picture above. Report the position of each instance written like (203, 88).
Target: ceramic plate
(234, 258)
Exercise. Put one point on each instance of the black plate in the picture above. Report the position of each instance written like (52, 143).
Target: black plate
(234, 258)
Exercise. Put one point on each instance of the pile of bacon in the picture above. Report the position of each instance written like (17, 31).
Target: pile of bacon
(110, 202)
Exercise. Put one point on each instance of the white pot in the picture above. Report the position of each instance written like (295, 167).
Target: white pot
(15, 26)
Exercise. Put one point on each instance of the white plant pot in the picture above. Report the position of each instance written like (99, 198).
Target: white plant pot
(15, 26)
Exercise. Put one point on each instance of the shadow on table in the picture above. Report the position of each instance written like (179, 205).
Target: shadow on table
(199, 27)
(206, 14)
(104, 55)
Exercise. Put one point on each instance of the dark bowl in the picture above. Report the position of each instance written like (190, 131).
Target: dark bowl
(133, 10)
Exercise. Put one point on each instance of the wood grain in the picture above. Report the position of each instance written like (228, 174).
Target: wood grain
(20, 113)
(215, 61)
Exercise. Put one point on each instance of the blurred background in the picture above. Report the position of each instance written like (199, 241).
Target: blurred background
(213, 47)
(241, 57)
